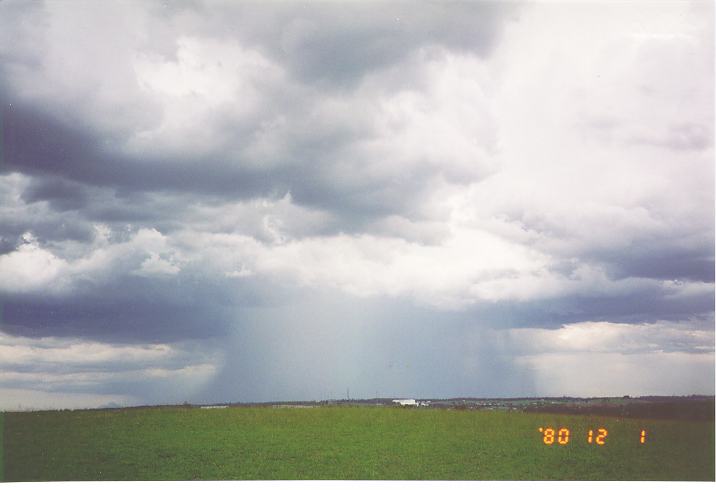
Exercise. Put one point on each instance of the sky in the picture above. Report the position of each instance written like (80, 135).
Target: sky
(232, 202)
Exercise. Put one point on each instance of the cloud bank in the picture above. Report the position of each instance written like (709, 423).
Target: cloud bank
(255, 202)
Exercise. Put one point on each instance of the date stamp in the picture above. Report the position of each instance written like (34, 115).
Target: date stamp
(596, 436)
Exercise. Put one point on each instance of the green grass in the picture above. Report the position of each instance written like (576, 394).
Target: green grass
(345, 443)
(2, 460)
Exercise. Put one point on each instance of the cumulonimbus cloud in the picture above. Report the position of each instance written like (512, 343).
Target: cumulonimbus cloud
(184, 172)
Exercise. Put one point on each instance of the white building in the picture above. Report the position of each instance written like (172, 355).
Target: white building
(406, 403)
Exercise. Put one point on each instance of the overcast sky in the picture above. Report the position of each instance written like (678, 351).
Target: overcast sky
(219, 202)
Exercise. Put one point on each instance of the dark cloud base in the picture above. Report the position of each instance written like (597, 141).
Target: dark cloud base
(150, 310)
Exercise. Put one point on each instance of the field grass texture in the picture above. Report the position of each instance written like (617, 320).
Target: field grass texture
(347, 443)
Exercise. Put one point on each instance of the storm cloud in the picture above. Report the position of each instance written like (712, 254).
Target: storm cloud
(244, 201)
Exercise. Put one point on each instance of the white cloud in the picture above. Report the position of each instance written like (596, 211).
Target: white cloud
(157, 266)
(617, 374)
(240, 272)
(67, 372)
(366, 265)
(468, 266)
(186, 377)
(29, 267)
(264, 219)
(74, 352)
(58, 43)
(34, 268)
(624, 338)
(441, 124)
(614, 359)
(207, 83)
(571, 185)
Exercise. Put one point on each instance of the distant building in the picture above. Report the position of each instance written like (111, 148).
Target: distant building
(406, 403)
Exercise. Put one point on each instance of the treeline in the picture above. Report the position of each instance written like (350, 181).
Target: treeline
(681, 409)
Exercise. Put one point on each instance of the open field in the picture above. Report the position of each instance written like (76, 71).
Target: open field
(176, 443)
(2, 466)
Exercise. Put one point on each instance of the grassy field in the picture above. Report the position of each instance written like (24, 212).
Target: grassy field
(2, 458)
(345, 443)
